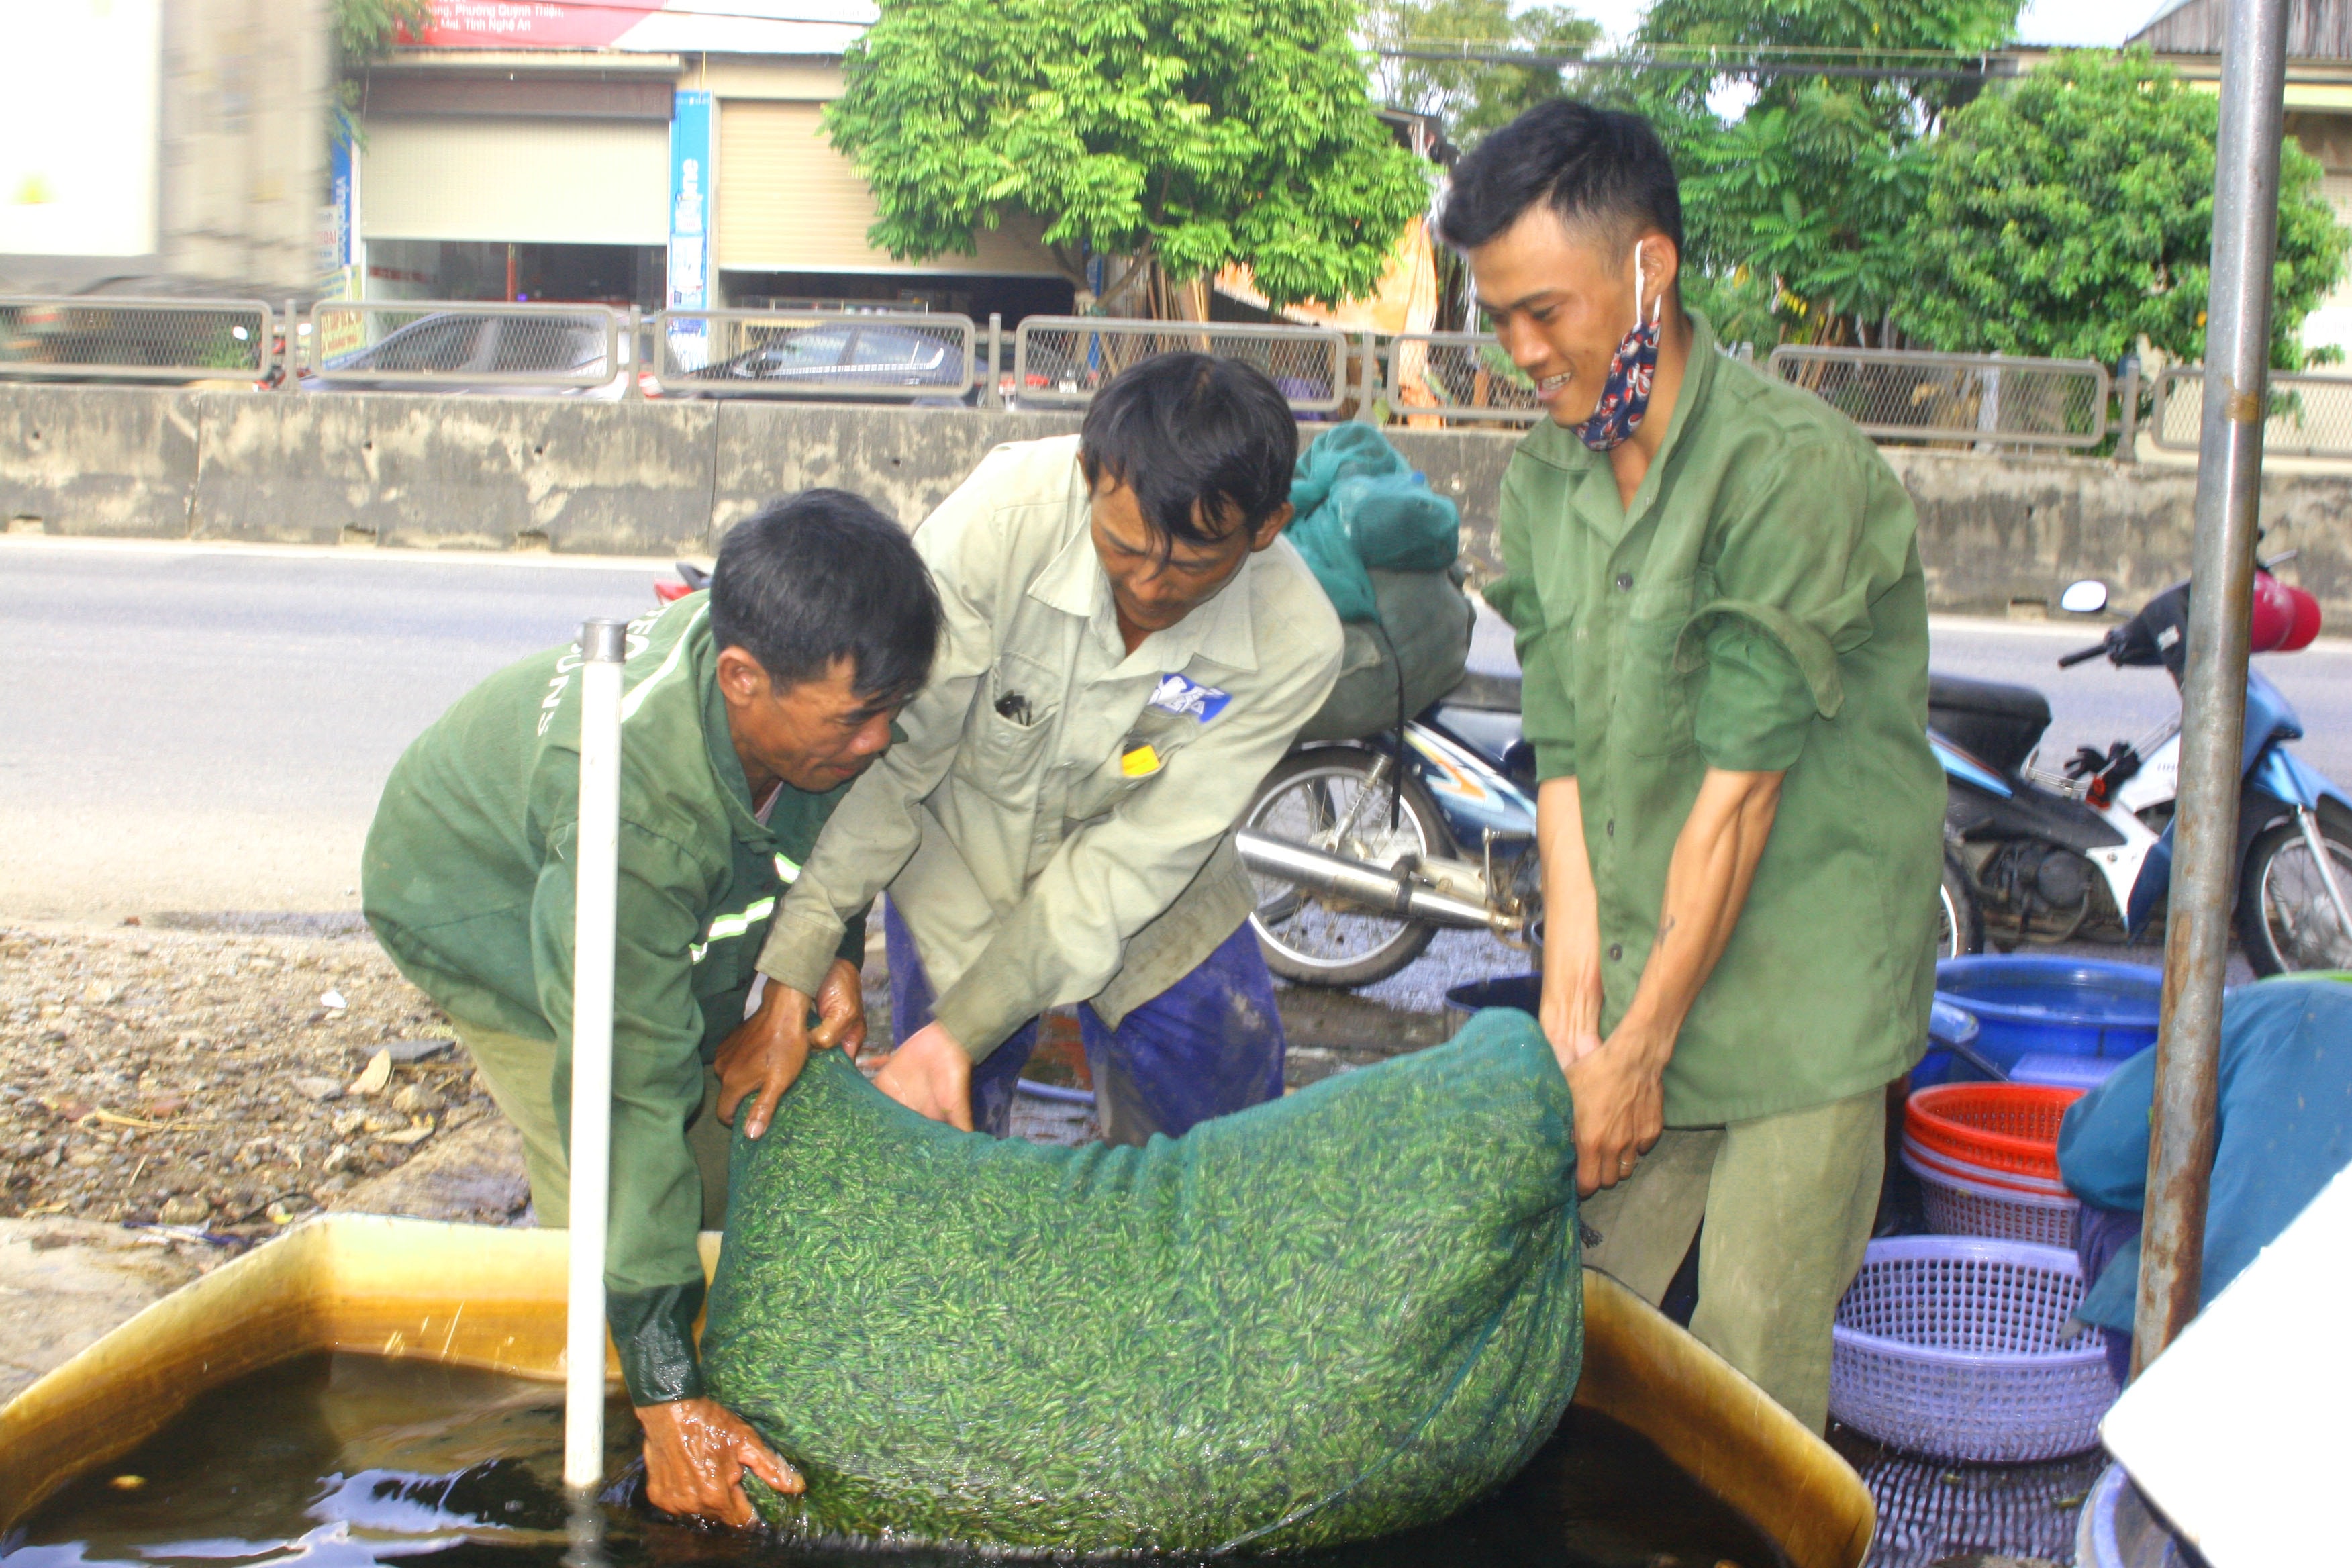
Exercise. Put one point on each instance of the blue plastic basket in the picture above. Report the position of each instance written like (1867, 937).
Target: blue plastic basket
(1951, 1345)
(2029, 1003)
(1946, 1027)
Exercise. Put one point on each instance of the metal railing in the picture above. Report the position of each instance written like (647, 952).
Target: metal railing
(2306, 416)
(1998, 400)
(450, 344)
(900, 355)
(1457, 375)
(101, 338)
(1060, 362)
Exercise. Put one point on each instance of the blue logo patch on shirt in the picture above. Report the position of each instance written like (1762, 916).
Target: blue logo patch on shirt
(1177, 695)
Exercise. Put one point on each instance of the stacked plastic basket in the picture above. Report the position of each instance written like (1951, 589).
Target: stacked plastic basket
(1964, 1347)
(1962, 1344)
(1987, 1158)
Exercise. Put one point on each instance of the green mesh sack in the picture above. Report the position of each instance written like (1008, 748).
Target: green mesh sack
(1345, 1312)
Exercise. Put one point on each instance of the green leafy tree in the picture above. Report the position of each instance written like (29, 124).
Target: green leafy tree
(1183, 133)
(1795, 212)
(365, 30)
(1471, 98)
(2072, 212)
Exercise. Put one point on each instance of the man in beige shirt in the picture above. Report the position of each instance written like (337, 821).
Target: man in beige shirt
(1129, 643)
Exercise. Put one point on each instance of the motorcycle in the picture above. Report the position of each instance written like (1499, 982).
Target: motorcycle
(2042, 856)
(1359, 851)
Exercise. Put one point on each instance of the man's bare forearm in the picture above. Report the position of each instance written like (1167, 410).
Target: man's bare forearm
(1572, 955)
(1707, 881)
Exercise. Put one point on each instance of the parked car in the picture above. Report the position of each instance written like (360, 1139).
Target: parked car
(837, 360)
(138, 323)
(459, 346)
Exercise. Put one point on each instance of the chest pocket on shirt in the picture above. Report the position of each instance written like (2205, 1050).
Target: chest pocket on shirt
(1655, 712)
(1000, 753)
(1102, 790)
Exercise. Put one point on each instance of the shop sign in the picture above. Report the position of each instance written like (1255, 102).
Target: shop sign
(689, 225)
(738, 26)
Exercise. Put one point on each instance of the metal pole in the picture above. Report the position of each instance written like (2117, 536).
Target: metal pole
(632, 365)
(602, 645)
(291, 381)
(2213, 685)
(992, 395)
(2127, 431)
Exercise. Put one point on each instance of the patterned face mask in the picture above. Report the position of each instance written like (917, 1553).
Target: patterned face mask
(1625, 393)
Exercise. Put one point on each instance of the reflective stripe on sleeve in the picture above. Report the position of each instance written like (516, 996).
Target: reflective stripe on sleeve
(724, 927)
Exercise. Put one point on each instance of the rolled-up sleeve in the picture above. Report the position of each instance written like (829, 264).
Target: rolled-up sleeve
(1546, 655)
(874, 831)
(1793, 580)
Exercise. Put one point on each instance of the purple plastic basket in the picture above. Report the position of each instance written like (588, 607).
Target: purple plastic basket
(1957, 1207)
(1949, 1345)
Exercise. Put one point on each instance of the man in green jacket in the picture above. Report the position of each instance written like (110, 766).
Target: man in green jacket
(1723, 632)
(747, 712)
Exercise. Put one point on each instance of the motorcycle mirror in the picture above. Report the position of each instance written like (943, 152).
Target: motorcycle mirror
(2087, 597)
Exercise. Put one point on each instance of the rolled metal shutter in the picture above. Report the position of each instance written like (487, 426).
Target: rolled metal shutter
(789, 203)
(519, 180)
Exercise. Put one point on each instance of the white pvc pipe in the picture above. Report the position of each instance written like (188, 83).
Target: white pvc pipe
(602, 645)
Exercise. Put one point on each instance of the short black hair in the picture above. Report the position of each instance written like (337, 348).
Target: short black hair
(1199, 440)
(823, 576)
(1592, 165)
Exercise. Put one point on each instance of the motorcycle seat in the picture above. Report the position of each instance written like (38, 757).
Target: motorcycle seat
(1484, 693)
(2001, 724)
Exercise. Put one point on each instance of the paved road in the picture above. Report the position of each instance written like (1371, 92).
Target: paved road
(206, 728)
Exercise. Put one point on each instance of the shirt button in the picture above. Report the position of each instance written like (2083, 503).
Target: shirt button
(1624, 581)
(1610, 828)
(1616, 951)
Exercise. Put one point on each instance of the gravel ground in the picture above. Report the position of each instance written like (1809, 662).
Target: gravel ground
(198, 1072)
(211, 1078)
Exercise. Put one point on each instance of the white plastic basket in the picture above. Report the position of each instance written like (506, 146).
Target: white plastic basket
(1949, 1345)
(1957, 1207)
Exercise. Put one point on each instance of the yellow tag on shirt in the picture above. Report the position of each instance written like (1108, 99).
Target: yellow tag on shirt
(1141, 762)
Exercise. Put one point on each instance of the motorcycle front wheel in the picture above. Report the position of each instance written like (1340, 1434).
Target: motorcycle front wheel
(2286, 920)
(1960, 919)
(1345, 800)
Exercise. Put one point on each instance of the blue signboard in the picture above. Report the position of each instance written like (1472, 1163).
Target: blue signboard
(689, 225)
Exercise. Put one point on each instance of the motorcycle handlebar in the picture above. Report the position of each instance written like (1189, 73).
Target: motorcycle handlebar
(2081, 655)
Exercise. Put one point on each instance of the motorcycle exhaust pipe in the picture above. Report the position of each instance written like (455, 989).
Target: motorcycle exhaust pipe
(1377, 888)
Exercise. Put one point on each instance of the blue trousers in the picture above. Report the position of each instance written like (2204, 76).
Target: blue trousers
(1209, 1045)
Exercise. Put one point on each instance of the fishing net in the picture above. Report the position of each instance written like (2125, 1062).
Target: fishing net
(1334, 1315)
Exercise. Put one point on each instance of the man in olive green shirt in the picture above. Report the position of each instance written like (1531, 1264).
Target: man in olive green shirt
(1723, 635)
(1129, 644)
(747, 711)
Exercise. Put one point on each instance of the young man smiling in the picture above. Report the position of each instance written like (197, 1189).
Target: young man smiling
(1723, 631)
(1129, 646)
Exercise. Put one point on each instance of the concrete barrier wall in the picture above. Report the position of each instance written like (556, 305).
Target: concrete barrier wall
(667, 478)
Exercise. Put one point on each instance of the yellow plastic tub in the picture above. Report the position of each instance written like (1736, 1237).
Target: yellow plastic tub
(482, 1297)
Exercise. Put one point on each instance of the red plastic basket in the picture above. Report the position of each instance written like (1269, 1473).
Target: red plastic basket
(1995, 1127)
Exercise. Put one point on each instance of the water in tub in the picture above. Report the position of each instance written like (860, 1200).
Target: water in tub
(349, 1462)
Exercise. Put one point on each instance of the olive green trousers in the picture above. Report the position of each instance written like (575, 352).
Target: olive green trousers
(1789, 1201)
(520, 1076)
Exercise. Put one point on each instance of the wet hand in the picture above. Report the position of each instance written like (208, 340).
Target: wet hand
(841, 1010)
(764, 1054)
(696, 1453)
(931, 1076)
(1619, 1105)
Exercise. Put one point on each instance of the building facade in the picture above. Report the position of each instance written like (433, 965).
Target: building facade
(634, 154)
